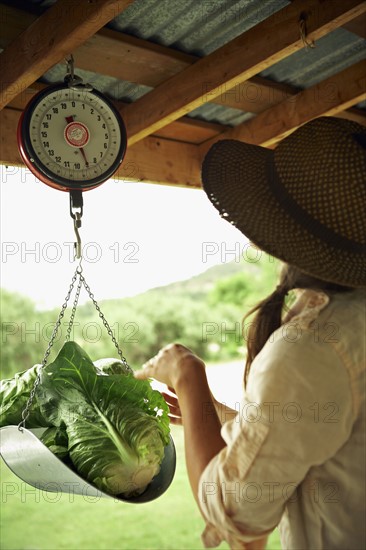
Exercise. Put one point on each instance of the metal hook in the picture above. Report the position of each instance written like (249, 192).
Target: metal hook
(70, 67)
(303, 33)
(76, 211)
(77, 245)
(74, 81)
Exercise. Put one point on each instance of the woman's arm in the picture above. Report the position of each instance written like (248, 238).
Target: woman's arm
(201, 424)
(183, 372)
(180, 369)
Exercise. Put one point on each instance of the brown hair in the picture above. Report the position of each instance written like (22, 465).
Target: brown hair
(268, 312)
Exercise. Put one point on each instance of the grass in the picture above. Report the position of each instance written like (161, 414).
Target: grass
(35, 520)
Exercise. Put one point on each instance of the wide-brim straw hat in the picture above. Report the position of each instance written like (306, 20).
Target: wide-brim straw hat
(303, 202)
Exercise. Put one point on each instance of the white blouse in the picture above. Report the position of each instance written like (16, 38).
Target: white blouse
(295, 452)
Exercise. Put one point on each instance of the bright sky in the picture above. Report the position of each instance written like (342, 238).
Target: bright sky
(136, 236)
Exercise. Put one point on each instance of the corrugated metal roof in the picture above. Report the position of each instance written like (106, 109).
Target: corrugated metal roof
(332, 53)
(200, 27)
(129, 92)
(195, 27)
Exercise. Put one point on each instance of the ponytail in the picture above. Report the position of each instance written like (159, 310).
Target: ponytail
(267, 319)
(268, 312)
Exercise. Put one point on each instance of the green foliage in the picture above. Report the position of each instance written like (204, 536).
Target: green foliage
(204, 313)
(234, 290)
(17, 315)
(247, 287)
(14, 395)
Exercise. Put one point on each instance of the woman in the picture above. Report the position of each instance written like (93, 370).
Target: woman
(294, 454)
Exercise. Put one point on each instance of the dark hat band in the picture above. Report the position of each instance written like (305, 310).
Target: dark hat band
(301, 216)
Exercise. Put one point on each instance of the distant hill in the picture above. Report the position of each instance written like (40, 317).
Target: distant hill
(198, 286)
(203, 312)
(203, 282)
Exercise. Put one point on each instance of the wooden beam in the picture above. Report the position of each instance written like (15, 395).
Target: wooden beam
(191, 131)
(9, 153)
(12, 23)
(50, 38)
(185, 129)
(328, 98)
(125, 57)
(153, 160)
(263, 45)
(357, 115)
(108, 52)
(128, 58)
(156, 160)
(357, 26)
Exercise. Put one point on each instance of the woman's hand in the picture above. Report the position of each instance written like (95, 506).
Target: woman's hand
(172, 364)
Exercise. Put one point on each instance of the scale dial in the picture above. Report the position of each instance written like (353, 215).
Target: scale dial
(71, 138)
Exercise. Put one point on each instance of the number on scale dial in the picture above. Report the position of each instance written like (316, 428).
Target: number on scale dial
(71, 138)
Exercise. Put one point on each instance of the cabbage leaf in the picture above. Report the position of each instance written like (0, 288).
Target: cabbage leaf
(14, 394)
(108, 426)
(117, 426)
(57, 441)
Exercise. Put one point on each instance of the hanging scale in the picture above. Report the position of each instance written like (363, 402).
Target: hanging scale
(73, 139)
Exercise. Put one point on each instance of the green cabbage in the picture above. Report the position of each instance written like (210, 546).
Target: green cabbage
(110, 366)
(114, 427)
(57, 441)
(14, 394)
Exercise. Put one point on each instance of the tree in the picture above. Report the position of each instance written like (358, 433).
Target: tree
(246, 288)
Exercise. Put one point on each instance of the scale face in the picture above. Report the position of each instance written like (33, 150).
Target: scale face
(71, 138)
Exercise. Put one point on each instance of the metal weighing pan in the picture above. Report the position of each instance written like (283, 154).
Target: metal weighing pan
(35, 464)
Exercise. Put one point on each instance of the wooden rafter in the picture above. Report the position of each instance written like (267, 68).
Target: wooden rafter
(329, 97)
(358, 115)
(128, 58)
(268, 42)
(51, 37)
(172, 151)
(122, 56)
(191, 131)
(357, 26)
(156, 160)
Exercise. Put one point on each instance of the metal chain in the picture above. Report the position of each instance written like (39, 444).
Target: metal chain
(105, 323)
(82, 281)
(26, 411)
(73, 311)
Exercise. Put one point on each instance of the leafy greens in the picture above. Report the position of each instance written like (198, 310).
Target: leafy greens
(112, 427)
(14, 394)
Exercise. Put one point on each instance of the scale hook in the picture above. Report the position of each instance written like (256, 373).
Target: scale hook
(77, 245)
(76, 211)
